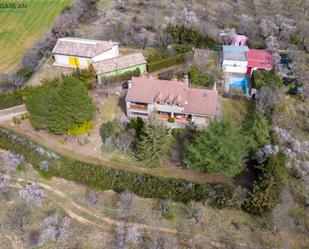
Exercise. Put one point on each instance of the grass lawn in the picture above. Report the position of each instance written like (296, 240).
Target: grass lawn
(110, 109)
(235, 110)
(20, 30)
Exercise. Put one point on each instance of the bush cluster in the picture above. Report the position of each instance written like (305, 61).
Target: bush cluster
(122, 77)
(10, 99)
(198, 79)
(184, 37)
(81, 129)
(103, 178)
(166, 62)
(61, 107)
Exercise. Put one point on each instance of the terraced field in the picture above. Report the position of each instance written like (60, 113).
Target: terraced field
(19, 30)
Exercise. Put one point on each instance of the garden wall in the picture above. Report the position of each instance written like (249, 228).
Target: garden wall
(102, 178)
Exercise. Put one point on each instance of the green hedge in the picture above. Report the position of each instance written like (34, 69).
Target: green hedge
(102, 178)
(170, 61)
(10, 99)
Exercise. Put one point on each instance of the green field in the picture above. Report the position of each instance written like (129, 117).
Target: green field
(20, 29)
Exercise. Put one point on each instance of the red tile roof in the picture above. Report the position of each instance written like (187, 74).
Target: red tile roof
(151, 90)
(259, 59)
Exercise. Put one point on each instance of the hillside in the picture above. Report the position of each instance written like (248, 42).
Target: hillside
(111, 220)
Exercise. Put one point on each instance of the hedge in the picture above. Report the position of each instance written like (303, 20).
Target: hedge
(10, 99)
(170, 61)
(102, 178)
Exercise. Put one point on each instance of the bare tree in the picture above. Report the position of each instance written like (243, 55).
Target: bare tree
(189, 18)
(248, 26)
(120, 4)
(55, 228)
(225, 14)
(32, 194)
(268, 28)
(16, 216)
(5, 181)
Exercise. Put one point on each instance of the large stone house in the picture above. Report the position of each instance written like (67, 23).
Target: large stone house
(163, 99)
(80, 53)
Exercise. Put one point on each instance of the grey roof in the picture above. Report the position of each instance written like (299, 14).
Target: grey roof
(82, 47)
(118, 63)
(234, 56)
(233, 48)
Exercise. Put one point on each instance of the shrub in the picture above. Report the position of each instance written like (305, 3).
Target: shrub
(152, 143)
(16, 121)
(107, 130)
(258, 129)
(25, 73)
(32, 194)
(10, 99)
(199, 79)
(171, 119)
(82, 129)
(167, 62)
(187, 36)
(266, 78)
(101, 177)
(221, 148)
(121, 77)
(265, 193)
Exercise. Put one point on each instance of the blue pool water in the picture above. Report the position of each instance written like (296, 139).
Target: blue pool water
(237, 82)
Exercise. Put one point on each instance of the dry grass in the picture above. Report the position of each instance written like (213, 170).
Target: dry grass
(93, 225)
(235, 110)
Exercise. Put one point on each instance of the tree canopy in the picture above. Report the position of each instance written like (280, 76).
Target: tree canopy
(220, 148)
(258, 129)
(152, 143)
(61, 107)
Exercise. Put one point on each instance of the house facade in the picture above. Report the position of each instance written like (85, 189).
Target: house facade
(233, 59)
(163, 99)
(119, 65)
(80, 53)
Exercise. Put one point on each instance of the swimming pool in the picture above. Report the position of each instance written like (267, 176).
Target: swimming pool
(237, 83)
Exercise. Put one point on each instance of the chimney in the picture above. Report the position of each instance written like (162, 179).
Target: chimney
(186, 79)
(129, 84)
(214, 86)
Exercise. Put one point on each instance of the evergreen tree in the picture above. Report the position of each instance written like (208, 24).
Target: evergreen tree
(220, 148)
(258, 130)
(152, 143)
(60, 108)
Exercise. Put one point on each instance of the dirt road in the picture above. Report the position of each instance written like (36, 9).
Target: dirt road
(8, 114)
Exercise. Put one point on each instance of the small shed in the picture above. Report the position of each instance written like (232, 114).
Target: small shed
(239, 40)
(120, 65)
(259, 59)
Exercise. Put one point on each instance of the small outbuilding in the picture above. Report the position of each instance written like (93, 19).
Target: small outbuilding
(120, 65)
(233, 59)
(239, 40)
(80, 53)
(259, 59)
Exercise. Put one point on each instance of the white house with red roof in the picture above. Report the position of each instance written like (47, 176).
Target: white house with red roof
(163, 98)
(259, 60)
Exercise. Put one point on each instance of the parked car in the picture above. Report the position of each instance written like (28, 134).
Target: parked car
(125, 85)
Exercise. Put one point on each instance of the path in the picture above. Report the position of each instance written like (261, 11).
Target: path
(8, 114)
(86, 217)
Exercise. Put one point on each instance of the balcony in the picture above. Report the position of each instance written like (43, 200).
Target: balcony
(143, 107)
